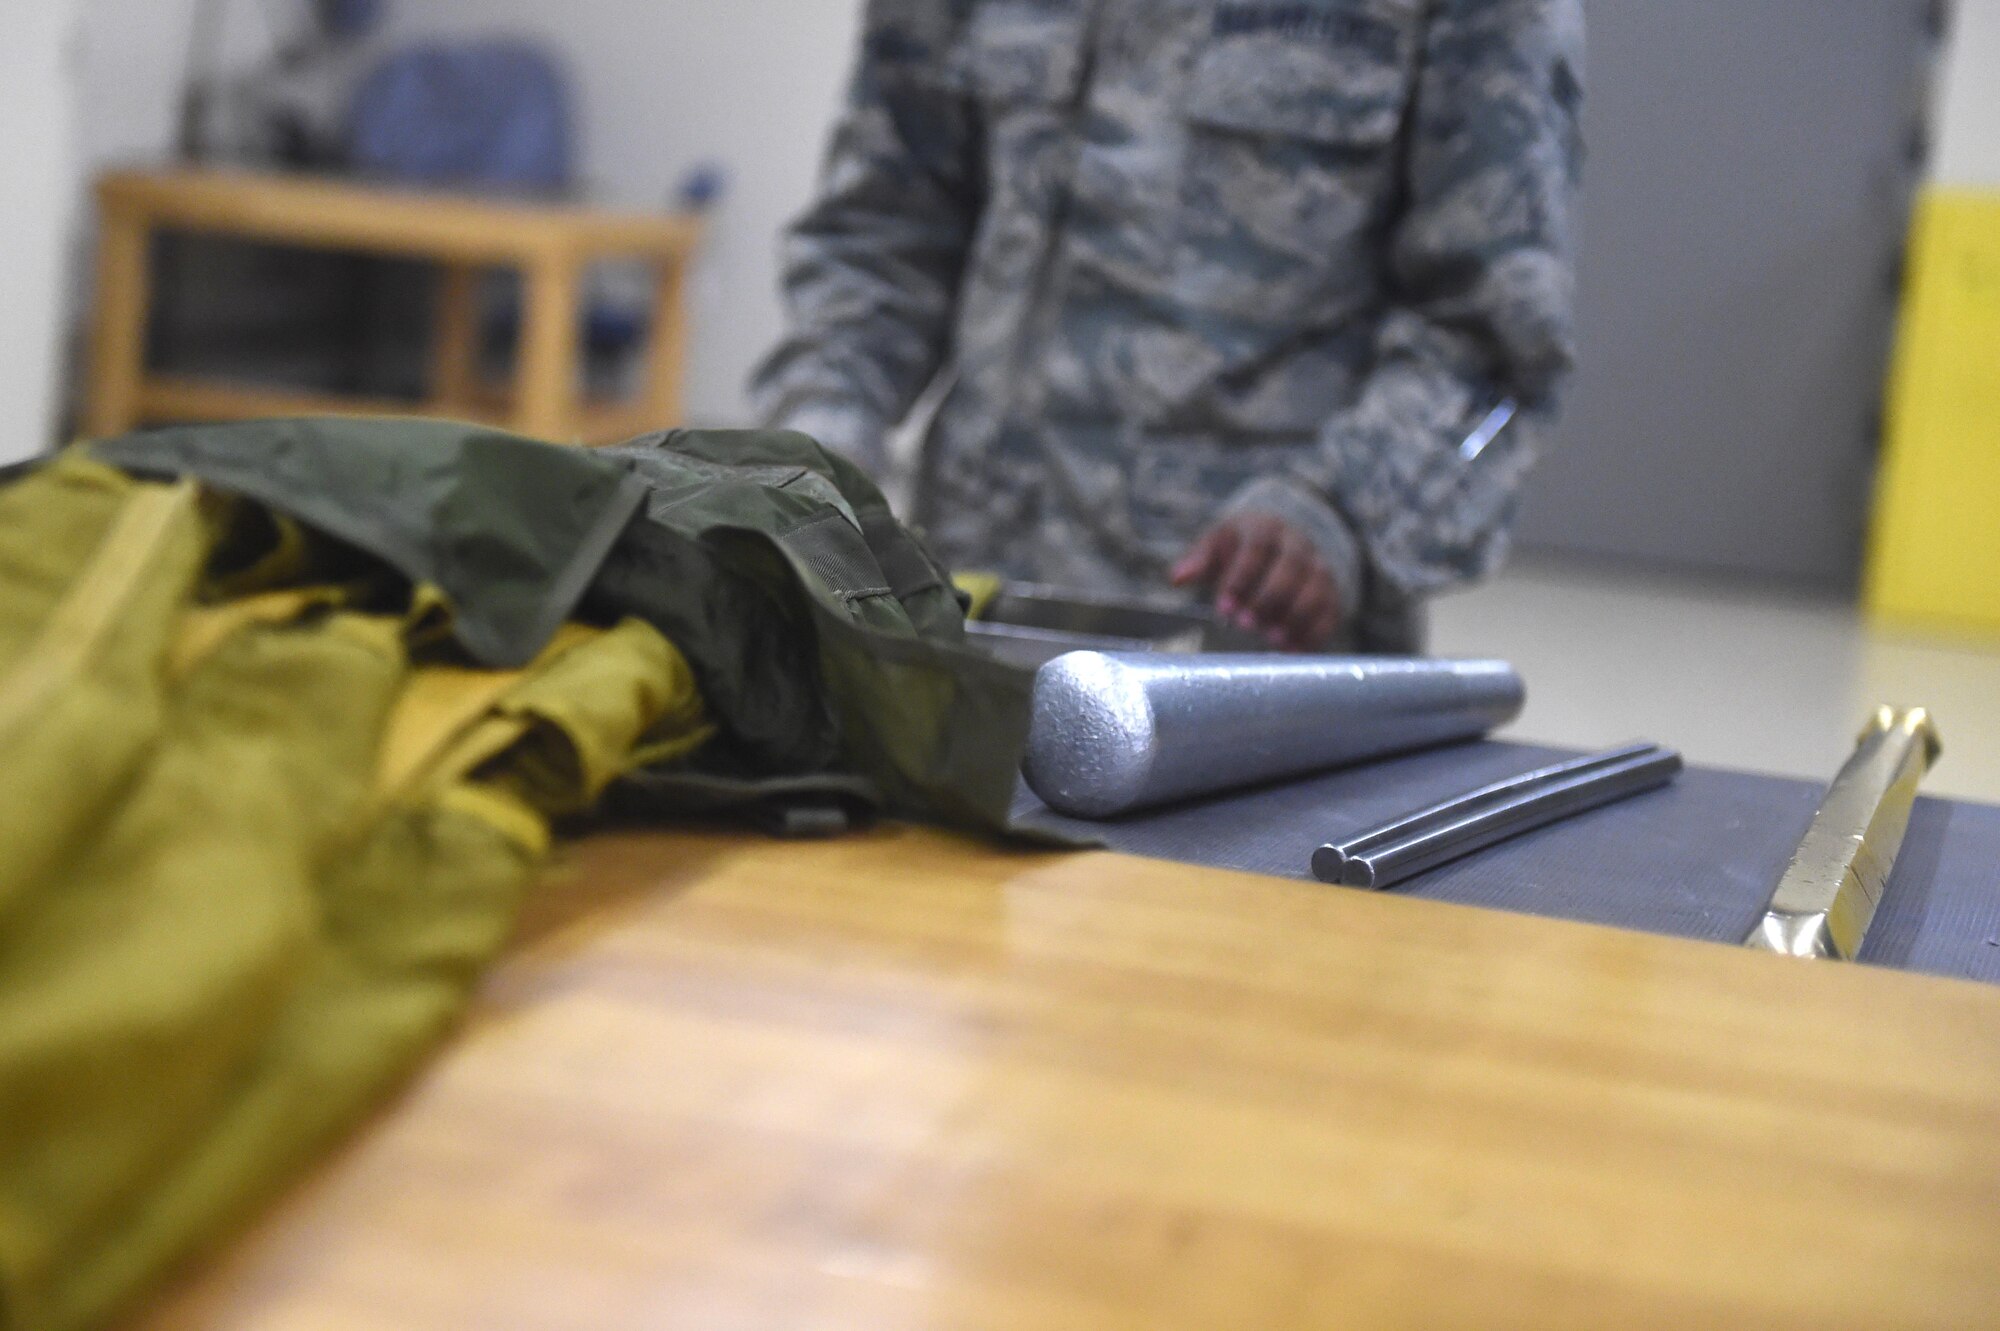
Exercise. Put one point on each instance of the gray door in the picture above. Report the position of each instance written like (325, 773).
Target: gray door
(1745, 199)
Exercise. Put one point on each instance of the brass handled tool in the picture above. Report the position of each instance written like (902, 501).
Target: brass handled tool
(1825, 902)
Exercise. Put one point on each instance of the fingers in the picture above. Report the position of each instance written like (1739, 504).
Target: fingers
(1320, 631)
(1259, 544)
(1284, 583)
(1297, 608)
(1268, 579)
(1206, 556)
(1315, 614)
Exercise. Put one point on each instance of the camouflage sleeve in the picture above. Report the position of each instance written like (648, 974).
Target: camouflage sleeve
(871, 270)
(1479, 260)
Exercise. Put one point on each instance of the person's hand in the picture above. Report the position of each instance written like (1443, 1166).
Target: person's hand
(1267, 578)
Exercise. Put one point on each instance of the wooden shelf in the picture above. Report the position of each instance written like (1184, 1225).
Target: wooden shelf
(171, 398)
(551, 244)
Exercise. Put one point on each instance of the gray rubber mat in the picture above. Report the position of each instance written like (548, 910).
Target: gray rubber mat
(1696, 859)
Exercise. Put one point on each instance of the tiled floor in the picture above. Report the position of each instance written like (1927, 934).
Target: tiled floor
(1749, 679)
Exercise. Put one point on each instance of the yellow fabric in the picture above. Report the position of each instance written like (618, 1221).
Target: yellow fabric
(441, 703)
(202, 629)
(79, 627)
(981, 588)
(1934, 558)
(252, 857)
(286, 559)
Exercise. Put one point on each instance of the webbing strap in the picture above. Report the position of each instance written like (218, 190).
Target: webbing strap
(903, 562)
(836, 552)
(95, 603)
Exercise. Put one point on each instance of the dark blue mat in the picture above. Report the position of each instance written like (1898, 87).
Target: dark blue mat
(1697, 859)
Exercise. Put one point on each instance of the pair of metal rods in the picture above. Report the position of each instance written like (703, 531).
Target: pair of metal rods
(1387, 855)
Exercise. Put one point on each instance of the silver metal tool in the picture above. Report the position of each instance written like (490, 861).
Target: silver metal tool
(1113, 731)
(1488, 429)
(1031, 625)
(1385, 856)
(1827, 898)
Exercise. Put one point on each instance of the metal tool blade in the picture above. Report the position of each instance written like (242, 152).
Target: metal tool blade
(1827, 898)
(1488, 429)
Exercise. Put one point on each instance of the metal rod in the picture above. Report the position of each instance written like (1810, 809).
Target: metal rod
(1460, 805)
(1488, 429)
(1387, 855)
(1114, 731)
(1823, 905)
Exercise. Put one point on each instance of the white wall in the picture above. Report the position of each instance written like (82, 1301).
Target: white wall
(1968, 139)
(132, 64)
(665, 84)
(133, 54)
(38, 182)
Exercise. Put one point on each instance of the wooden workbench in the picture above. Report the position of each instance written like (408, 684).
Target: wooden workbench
(904, 1081)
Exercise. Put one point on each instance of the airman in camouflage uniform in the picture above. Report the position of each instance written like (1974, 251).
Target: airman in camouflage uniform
(1195, 262)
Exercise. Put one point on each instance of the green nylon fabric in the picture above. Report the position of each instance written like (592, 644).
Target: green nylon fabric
(248, 874)
(824, 638)
(225, 931)
(511, 528)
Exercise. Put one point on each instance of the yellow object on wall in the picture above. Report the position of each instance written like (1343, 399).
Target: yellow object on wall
(1935, 554)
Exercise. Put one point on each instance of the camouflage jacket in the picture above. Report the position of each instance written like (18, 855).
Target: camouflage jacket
(1185, 257)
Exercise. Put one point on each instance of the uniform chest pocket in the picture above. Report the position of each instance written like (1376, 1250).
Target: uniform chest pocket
(1291, 112)
(1337, 72)
(1021, 53)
